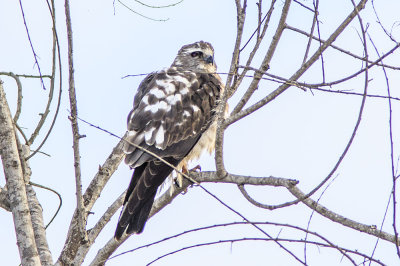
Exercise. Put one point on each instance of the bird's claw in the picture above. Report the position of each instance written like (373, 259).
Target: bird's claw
(197, 168)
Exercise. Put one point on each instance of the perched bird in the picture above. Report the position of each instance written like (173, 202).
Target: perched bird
(173, 116)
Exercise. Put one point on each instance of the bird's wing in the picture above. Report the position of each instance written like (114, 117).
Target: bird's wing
(172, 109)
(170, 106)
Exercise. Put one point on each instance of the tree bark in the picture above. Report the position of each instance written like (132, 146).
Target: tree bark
(16, 186)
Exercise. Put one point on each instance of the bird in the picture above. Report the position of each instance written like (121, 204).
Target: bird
(173, 117)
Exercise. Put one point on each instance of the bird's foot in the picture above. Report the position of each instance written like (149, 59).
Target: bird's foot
(197, 168)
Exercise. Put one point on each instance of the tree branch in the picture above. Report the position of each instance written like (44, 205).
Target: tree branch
(16, 186)
(267, 59)
(290, 185)
(4, 202)
(337, 218)
(325, 243)
(337, 47)
(300, 72)
(95, 231)
(81, 214)
(38, 227)
(36, 210)
(96, 186)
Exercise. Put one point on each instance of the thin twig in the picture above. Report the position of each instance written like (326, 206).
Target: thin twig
(219, 138)
(290, 185)
(299, 72)
(30, 42)
(137, 13)
(394, 200)
(267, 59)
(203, 188)
(338, 48)
(230, 241)
(349, 143)
(59, 199)
(81, 216)
(19, 96)
(311, 215)
(238, 80)
(311, 31)
(170, 5)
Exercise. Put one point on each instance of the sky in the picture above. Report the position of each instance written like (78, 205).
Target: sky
(299, 135)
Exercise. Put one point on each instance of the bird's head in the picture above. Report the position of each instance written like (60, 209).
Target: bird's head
(198, 56)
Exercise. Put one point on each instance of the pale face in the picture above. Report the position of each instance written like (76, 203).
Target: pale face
(196, 56)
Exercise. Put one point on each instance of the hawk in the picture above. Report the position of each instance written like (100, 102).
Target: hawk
(173, 116)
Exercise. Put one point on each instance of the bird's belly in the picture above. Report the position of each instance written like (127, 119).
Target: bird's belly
(205, 143)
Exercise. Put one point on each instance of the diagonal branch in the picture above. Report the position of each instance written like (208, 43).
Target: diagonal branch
(95, 231)
(290, 185)
(337, 218)
(267, 59)
(92, 193)
(299, 72)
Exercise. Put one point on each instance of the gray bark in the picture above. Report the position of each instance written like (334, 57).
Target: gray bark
(16, 186)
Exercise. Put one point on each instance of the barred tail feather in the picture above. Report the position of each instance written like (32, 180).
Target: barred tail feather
(140, 196)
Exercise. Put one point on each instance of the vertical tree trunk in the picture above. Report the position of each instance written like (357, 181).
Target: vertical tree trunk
(16, 186)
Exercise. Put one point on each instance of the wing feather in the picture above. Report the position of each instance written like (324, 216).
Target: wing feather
(170, 107)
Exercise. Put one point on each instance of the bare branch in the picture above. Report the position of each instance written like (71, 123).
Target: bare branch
(95, 231)
(16, 186)
(389, 34)
(299, 72)
(36, 210)
(150, 6)
(4, 202)
(219, 139)
(304, 6)
(55, 192)
(319, 244)
(315, 19)
(325, 243)
(338, 48)
(96, 186)
(390, 123)
(260, 37)
(51, 91)
(337, 218)
(30, 42)
(137, 13)
(290, 184)
(357, 94)
(38, 227)
(19, 97)
(267, 59)
(81, 214)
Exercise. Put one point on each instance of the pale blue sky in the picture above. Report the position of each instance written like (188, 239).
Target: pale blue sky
(299, 135)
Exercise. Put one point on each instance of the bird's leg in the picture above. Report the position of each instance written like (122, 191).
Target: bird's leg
(179, 177)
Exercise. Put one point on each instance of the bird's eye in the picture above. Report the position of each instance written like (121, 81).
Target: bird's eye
(196, 54)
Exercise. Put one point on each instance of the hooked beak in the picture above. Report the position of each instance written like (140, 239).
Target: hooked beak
(209, 59)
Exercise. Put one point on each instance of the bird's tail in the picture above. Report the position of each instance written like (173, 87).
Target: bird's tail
(140, 196)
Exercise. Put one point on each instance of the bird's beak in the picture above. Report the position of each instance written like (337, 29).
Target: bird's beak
(209, 59)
